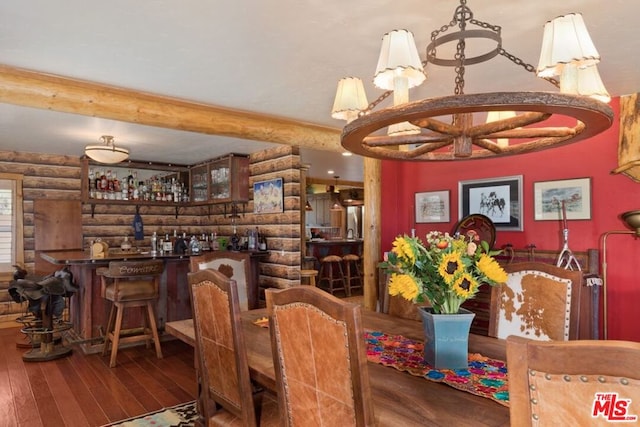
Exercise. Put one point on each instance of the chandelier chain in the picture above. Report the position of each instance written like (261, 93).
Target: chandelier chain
(436, 33)
(460, 57)
(530, 68)
(486, 25)
(375, 102)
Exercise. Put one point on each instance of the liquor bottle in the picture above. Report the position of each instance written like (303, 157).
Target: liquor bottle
(116, 182)
(235, 239)
(97, 181)
(92, 184)
(154, 244)
(262, 242)
(215, 245)
(109, 182)
(104, 186)
(251, 240)
(132, 182)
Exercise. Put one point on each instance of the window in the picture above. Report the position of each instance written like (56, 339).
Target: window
(11, 223)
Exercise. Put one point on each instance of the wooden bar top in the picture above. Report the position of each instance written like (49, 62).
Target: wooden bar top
(400, 399)
(84, 257)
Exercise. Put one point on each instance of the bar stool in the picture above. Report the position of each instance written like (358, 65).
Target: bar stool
(130, 284)
(331, 272)
(310, 263)
(352, 267)
(310, 275)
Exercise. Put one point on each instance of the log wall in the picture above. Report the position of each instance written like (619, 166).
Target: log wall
(282, 267)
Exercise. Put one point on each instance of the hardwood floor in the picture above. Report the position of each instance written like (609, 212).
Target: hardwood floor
(81, 390)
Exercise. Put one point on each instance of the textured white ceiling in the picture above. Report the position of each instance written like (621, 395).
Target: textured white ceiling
(280, 58)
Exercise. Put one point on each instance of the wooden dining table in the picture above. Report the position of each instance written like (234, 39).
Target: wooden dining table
(400, 399)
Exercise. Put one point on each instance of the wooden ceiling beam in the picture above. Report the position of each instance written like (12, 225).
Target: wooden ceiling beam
(51, 92)
(333, 181)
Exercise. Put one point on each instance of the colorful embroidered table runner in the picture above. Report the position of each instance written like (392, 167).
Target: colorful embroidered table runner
(485, 377)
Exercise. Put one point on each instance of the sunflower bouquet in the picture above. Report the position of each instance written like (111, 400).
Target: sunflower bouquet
(445, 272)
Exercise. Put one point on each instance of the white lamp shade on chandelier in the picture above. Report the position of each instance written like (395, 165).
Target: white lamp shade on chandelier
(106, 152)
(398, 57)
(566, 41)
(399, 69)
(583, 81)
(350, 99)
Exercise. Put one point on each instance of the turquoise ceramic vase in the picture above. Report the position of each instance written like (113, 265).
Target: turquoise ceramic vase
(446, 344)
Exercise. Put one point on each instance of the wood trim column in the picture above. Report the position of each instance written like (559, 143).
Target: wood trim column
(372, 229)
(304, 169)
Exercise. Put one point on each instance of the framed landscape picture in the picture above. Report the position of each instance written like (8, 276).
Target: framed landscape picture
(499, 199)
(268, 196)
(432, 206)
(549, 196)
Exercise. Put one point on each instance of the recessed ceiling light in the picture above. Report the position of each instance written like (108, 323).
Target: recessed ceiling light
(347, 153)
(330, 172)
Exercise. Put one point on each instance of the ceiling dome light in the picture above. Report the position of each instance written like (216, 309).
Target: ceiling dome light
(106, 152)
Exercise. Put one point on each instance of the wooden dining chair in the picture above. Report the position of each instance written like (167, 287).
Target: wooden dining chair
(538, 301)
(573, 383)
(223, 368)
(319, 358)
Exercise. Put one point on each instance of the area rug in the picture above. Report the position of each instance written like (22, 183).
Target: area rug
(183, 415)
(485, 377)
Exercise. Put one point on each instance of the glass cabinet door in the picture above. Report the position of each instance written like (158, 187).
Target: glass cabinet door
(199, 183)
(220, 179)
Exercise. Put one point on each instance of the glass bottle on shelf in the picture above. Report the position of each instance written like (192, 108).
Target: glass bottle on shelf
(125, 246)
(133, 182)
(103, 182)
(215, 245)
(262, 242)
(251, 240)
(235, 239)
(154, 244)
(92, 184)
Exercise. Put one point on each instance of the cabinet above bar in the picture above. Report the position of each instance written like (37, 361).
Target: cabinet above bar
(221, 180)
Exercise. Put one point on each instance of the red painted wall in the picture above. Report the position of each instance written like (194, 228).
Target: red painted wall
(611, 196)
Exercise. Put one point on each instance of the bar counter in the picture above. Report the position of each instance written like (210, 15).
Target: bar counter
(71, 257)
(320, 248)
(89, 312)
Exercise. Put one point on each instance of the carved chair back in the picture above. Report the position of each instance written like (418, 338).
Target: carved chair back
(319, 358)
(222, 355)
(539, 301)
(231, 264)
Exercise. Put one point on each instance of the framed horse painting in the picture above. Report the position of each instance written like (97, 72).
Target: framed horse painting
(499, 199)
(564, 199)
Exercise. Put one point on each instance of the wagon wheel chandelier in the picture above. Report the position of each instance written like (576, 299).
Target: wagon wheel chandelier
(443, 128)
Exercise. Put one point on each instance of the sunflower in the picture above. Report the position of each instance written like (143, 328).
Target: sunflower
(450, 266)
(490, 268)
(447, 271)
(403, 285)
(465, 286)
(402, 247)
